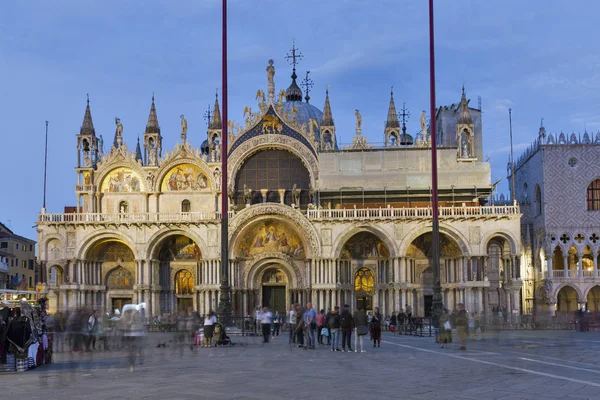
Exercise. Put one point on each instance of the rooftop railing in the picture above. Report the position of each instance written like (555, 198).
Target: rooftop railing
(414, 212)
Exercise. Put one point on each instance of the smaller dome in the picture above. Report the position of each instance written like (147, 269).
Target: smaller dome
(204, 149)
(406, 139)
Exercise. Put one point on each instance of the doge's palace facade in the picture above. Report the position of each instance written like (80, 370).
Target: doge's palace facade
(311, 218)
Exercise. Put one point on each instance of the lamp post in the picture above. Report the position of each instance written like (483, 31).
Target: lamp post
(437, 304)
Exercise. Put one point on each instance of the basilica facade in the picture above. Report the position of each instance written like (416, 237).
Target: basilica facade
(311, 218)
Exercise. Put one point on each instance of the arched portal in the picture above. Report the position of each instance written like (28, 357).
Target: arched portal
(566, 301)
(273, 289)
(179, 258)
(111, 263)
(420, 274)
(593, 301)
(365, 258)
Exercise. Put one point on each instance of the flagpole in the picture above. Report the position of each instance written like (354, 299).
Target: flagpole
(225, 308)
(45, 168)
(512, 161)
(437, 303)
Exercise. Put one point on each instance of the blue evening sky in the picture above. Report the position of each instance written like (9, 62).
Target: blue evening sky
(539, 57)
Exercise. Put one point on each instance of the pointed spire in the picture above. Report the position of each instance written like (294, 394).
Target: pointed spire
(327, 118)
(87, 128)
(464, 116)
(152, 125)
(138, 151)
(392, 117)
(215, 122)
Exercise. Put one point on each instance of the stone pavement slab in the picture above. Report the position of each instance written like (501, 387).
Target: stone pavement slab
(404, 367)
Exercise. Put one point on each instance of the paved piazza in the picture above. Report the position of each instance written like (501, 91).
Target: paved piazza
(513, 365)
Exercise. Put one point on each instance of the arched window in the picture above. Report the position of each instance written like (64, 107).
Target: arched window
(184, 282)
(364, 281)
(185, 206)
(538, 200)
(495, 255)
(593, 196)
(123, 207)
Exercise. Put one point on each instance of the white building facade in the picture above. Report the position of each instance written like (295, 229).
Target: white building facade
(310, 219)
(557, 183)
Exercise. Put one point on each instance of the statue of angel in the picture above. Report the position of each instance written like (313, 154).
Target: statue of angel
(183, 128)
(358, 121)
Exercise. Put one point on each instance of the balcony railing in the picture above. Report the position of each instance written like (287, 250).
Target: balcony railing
(414, 212)
(573, 273)
(121, 218)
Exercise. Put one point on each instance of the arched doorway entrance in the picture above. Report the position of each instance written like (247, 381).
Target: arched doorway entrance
(112, 263)
(419, 273)
(366, 268)
(566, 303)
(178, 258)
(274, 289)
(593, 300)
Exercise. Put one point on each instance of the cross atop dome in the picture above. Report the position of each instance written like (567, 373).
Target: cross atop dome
(294, 93)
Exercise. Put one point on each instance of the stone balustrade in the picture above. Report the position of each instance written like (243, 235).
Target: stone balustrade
(314, 214)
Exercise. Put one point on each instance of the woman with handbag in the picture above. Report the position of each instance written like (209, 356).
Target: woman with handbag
(445, 329)
(360, 329)
(376, 327)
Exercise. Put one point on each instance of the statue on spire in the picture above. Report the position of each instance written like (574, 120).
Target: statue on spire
(358, 122)
(270, 79)
(118, 132)
(183, 129)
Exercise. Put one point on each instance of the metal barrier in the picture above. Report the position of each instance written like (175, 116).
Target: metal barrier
(416, 326)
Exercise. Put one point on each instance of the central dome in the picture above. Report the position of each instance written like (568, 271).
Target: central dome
(306, 112)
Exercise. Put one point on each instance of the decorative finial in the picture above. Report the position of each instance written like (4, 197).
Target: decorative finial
(217, 93)
(294, 57)
(392, 92)
(152, 97)
(405, 114)
(542, 123)
(307, 84)
(207, 115)
(88, 98)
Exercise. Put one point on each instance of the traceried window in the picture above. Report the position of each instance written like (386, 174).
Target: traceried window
(273, 170)
(185, 206)
(184, 283)
(593, 196)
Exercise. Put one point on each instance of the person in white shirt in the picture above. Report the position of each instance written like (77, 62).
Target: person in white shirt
(265, 321)
(257, 319)
(209, 321)
(291, 321)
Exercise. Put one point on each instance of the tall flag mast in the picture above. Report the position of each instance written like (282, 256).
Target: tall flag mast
(225, 309)
(45, 168)
(435, 236)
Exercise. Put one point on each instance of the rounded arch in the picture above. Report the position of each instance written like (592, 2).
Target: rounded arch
(285, 214)
(341, 240)
(56, 275)
(118, 171)
(560, 287)
(253, 275)
(272, 142)
(591, 289)
(94, 238)
(155, 242)
(452, 233)
(168, 167)
(503, 234)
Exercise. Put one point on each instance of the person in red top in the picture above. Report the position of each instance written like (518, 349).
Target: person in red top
(321, 325)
